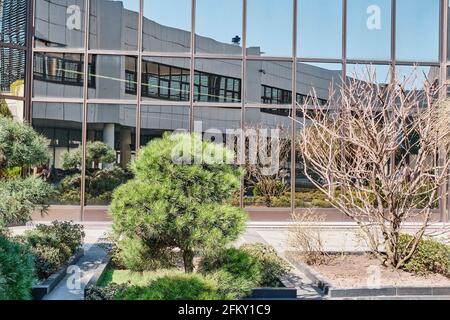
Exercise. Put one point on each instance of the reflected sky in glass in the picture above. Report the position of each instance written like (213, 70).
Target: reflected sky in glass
(369, 29)
(319, 29)
(269, 26)
(220, 20)
(171, 13)
(364, 72)
(413, 77)
(418, 30)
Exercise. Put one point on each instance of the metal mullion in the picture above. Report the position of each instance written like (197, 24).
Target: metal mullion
(217, 56)
(372, 62)
(344, 40)
(5, 96)
(269, 58)
(319, 60)
(110, 101)
(393, 38)
(14, 45)
(192, 67)
(293, 107)
(268, 106)
(416, 63)
(139, 76)
(59, 50)
(243, 99)
(164, 103)
(443, 30)
(85, 99)
(217, 104)
(113, 53)
(165, 55)
(56, 100)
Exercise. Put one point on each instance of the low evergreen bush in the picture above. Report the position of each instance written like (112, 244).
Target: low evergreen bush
(16, 270)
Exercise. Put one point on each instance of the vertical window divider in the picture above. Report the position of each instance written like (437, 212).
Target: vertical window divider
(443, 36)
(192, 67)
(84, 109)
(241, 160)
(293, 106)
(139, 76)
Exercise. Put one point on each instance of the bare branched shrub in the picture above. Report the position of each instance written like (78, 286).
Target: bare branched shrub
(306, 237)
(384, 147)
(267, 161)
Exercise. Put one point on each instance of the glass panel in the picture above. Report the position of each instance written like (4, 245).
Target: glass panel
(111, 145)
(313, 79)
(59, 23)
(112, 77)
(269, 27)
(219, 26)
(317, 79)
(167, 25)
(267, 180)
(155, 120)
(212, 119)
(61, 124)
(12, 72)
(217, 81)
(418, 30)
(13, 21)
(15, 107)
(165, 79)
(414, 77)
(222, 126)
(319, 27)
(269, 82)
(369, 29)
(58, 75)
(113, 24)
(378, 74)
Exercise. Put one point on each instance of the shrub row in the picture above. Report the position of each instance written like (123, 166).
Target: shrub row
(430, 257)
(16, 270)
(52, 245)
(227, 274)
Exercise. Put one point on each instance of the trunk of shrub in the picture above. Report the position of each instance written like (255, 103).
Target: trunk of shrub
(188, 261)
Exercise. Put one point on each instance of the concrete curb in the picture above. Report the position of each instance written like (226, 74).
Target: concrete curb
(46, 286)
(99, 272)
(388, 291)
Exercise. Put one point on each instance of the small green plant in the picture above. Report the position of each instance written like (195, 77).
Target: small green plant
(236, 262)
(272, 267)
(52, 245)
(430, 256)
(250, 266)
(16, 270)
(131, 253)
(174, 287)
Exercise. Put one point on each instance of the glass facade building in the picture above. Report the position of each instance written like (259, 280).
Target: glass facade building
(125, 72)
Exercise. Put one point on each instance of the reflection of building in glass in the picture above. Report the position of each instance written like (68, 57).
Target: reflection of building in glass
(177, 85)
(13, 20)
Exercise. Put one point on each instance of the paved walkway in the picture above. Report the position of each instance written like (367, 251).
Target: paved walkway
(71, 287)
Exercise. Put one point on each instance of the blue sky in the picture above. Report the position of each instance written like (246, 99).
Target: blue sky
(319, 25)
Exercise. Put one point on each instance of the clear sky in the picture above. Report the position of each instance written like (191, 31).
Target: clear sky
(319, 25)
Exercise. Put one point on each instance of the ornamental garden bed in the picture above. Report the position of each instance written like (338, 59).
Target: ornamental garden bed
(259, 277)
(362, 275)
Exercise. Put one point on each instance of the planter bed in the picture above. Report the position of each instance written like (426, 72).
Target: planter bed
(346, 276)
(106, 275)
(46, 286)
